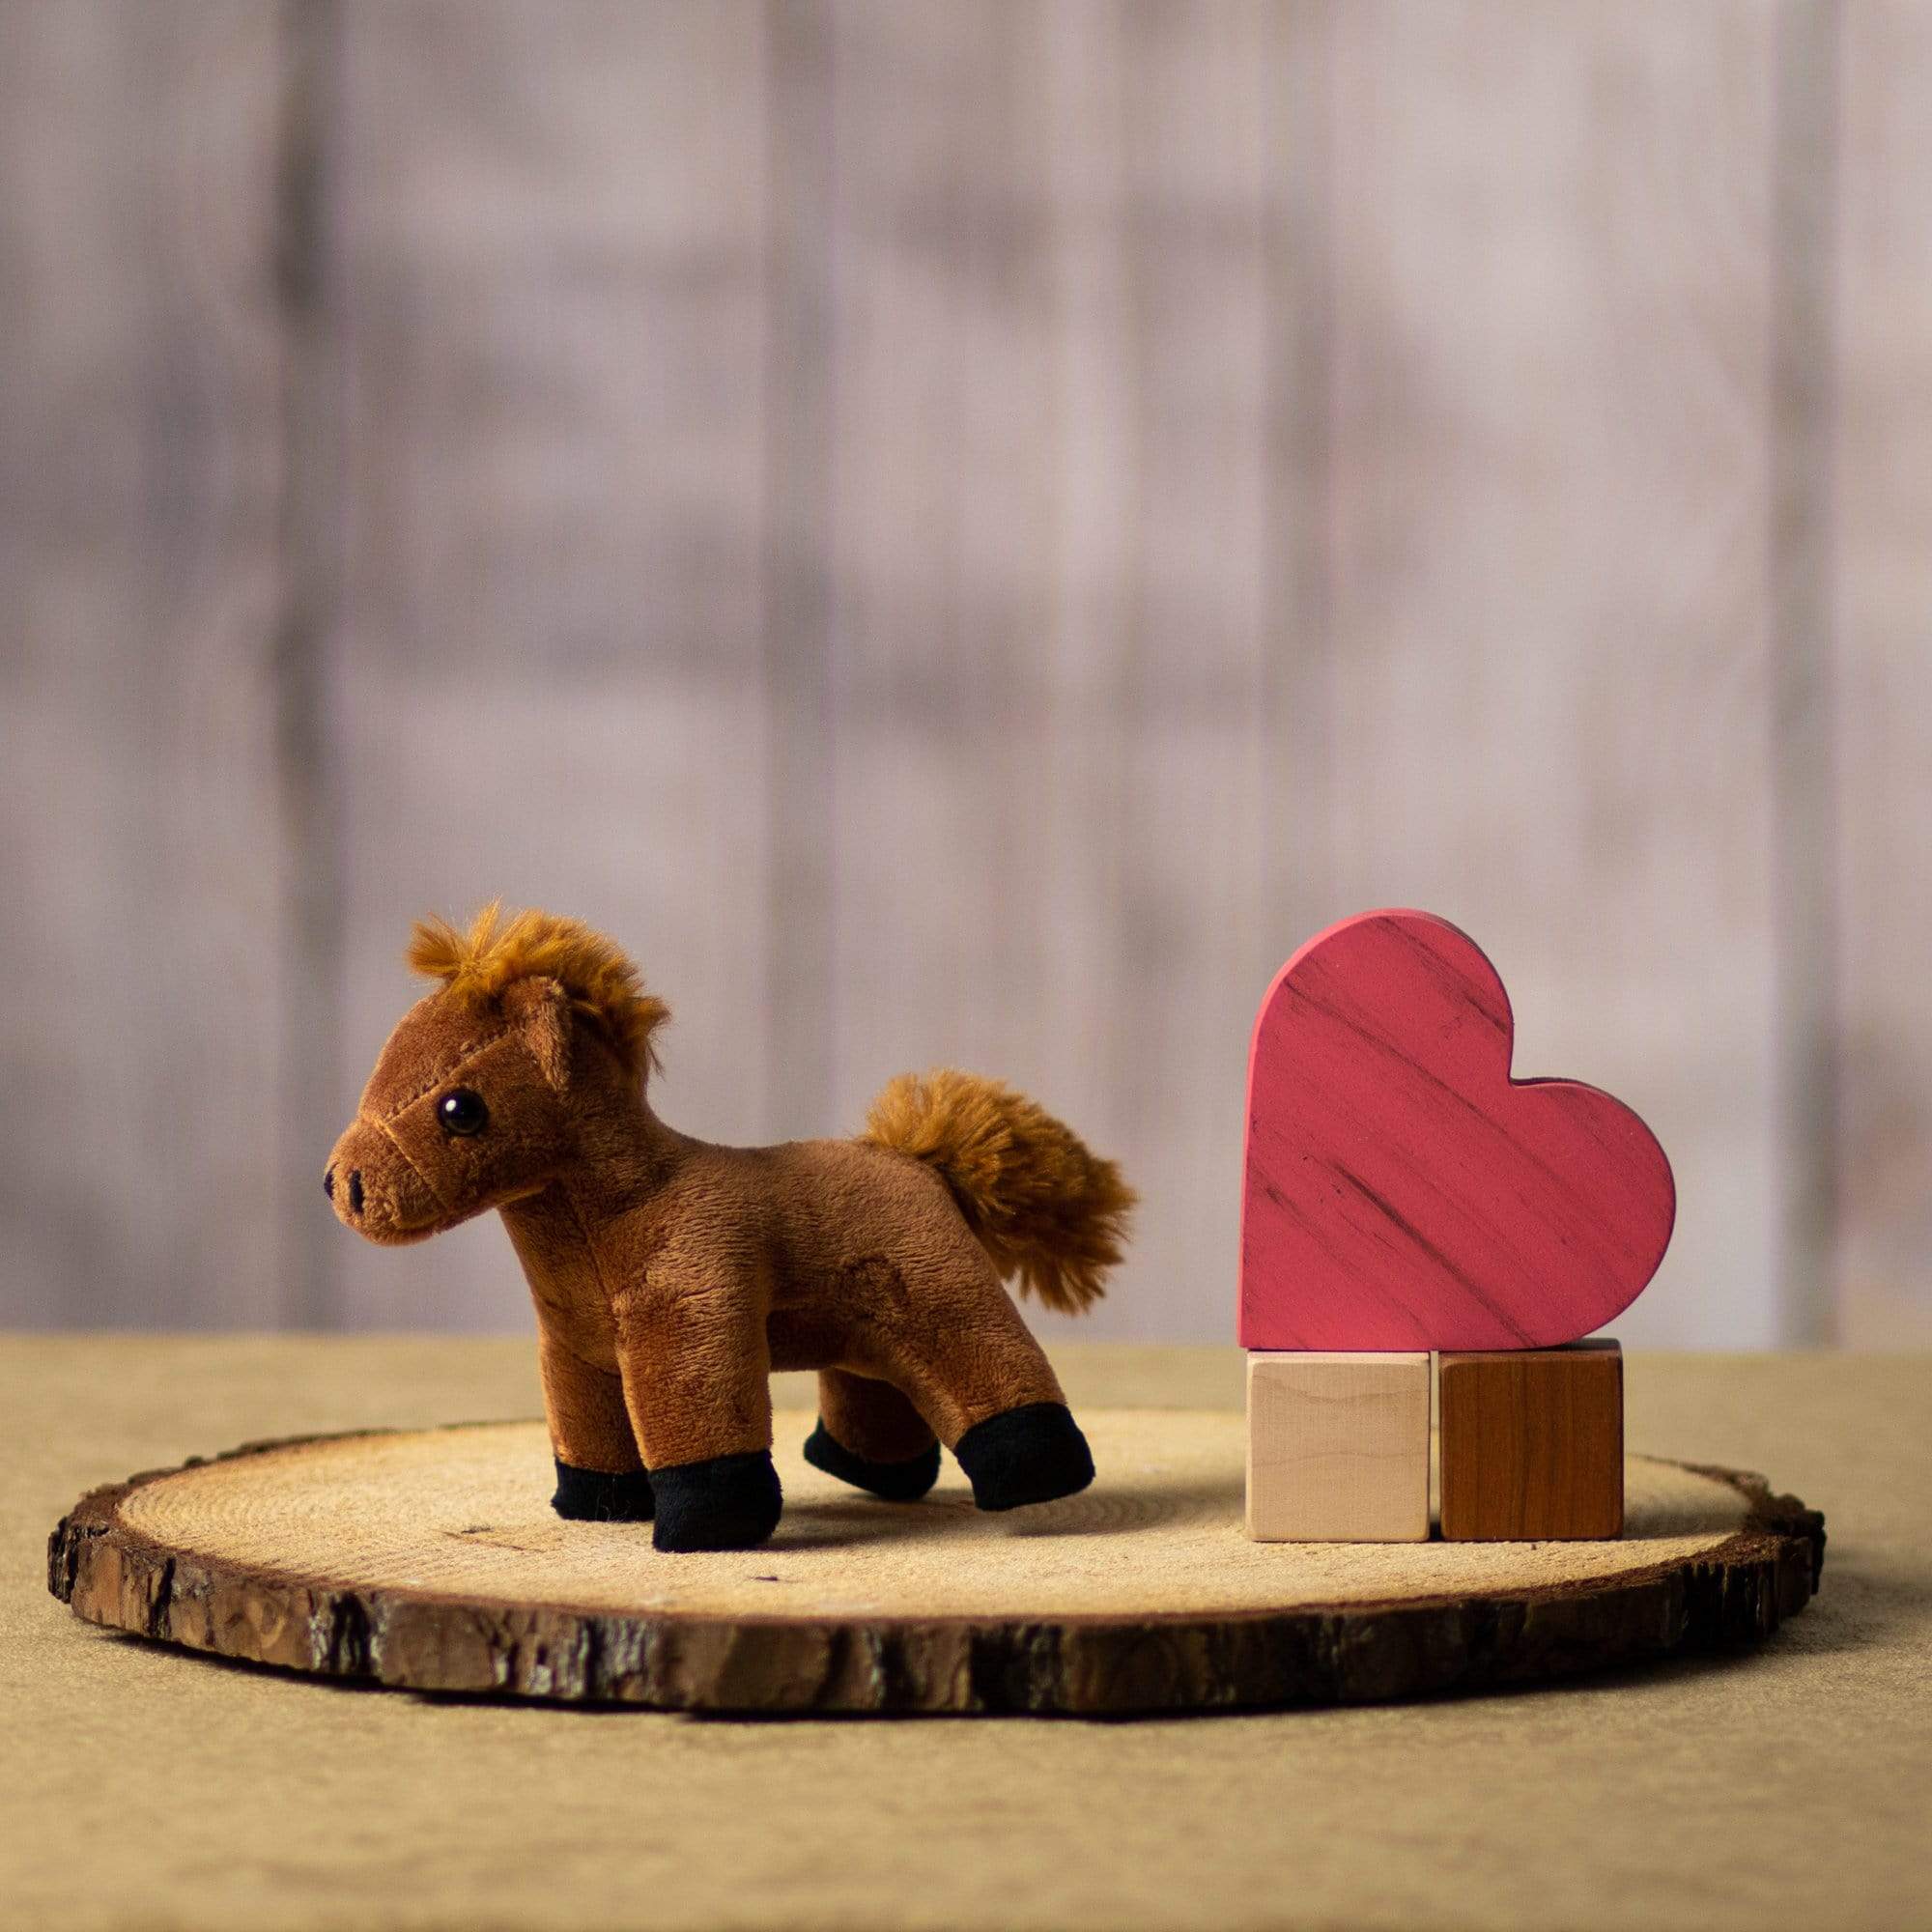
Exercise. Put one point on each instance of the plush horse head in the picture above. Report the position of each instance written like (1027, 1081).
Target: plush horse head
(486, 1085)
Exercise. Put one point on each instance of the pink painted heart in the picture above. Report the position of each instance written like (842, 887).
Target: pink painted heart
(1401, 1190)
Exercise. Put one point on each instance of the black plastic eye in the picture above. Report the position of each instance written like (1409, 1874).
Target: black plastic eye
(461, 1111)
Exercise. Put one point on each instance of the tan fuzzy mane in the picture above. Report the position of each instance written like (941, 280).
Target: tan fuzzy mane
(603, 984)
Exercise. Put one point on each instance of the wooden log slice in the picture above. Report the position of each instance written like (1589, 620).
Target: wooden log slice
(430, 1560)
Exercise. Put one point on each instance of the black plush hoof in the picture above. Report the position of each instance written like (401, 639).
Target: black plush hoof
(1031, 1454)
(596, 1495)
(896, 1481)
(726, 1502)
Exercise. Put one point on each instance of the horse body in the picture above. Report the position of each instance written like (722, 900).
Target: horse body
(670, 1275)
(821, 1254)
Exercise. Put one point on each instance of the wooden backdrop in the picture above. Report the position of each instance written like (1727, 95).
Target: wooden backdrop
(964, 531)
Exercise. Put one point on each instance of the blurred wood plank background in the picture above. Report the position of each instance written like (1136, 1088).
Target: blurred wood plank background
(963, 533)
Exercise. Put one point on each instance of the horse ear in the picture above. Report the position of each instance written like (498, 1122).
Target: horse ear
(542, 1009)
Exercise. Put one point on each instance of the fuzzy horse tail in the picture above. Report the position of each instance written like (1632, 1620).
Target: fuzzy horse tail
(1043, 1206)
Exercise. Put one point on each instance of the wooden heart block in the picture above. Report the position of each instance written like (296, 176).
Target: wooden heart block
(1401, 1191)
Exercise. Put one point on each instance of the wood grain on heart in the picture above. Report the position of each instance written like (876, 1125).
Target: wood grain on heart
(1401, 1190)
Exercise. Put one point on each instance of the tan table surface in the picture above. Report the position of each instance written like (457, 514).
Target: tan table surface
(141, 1786)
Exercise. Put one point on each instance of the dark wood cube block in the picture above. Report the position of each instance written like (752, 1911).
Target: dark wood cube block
(1532, 1443)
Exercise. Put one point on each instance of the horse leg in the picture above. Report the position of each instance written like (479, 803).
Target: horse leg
(976, 1372)
(869, 1436)
(696, 1369)
(600, 1477)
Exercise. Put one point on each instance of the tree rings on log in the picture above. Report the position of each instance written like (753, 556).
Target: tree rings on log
(430, 1560)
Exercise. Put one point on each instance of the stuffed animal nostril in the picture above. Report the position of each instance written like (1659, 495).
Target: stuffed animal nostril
(328, 1183)
(356, 1190)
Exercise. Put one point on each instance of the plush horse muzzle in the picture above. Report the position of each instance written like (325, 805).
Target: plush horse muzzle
(374, 1190)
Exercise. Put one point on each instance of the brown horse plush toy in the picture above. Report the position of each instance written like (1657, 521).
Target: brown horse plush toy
(671, 1276)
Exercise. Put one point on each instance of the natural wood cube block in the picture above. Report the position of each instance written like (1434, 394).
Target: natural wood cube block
(1338, 1448)
(1533, 1443)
